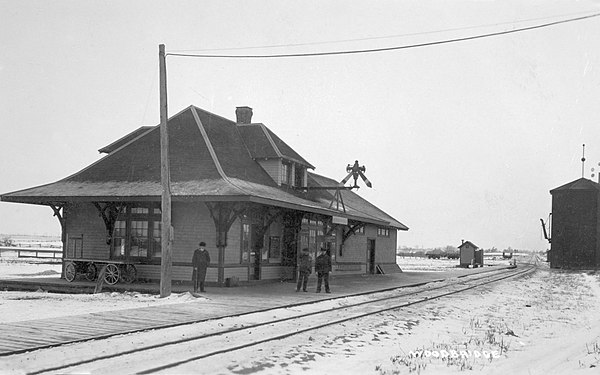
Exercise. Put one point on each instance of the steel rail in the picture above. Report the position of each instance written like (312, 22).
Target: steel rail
(329, 323)
(194, 321)
(497, 275)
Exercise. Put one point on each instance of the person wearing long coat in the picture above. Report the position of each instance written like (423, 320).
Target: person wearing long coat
(322, 268)
(304, 270)
(200, 262)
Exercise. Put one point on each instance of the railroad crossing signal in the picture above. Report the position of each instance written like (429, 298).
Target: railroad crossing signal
(354, 171)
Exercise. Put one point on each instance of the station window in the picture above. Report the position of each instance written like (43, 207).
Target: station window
(299, 176)
(383, 232)
(137, 234)
(253, 243)
(312, 236)
(286, 173)
(75, 247)
(245, 243)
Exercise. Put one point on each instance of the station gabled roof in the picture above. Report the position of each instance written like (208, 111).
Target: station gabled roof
(579, 184)
(125, 139)
(264, 144)
(211, 159)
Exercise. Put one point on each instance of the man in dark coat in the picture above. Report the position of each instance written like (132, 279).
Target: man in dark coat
(200, 262)
(304, 269)
(322, 268)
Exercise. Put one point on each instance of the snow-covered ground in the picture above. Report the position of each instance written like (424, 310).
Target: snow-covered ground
(419, 264)
(545, 323)
(19, 306)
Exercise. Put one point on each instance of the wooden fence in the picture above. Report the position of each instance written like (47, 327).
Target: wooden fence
(32, 252)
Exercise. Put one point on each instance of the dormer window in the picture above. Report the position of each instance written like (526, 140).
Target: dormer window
(286, 174)
(299, 173)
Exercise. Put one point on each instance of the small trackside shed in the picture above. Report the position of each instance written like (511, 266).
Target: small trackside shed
(235, 185)
(575, 225)
(470, 255)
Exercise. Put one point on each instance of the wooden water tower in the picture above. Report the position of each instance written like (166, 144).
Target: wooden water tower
(575, 229)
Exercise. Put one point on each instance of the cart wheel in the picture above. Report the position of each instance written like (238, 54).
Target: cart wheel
(111, 276)
(91, 272)
(70, 271)
(129, 273)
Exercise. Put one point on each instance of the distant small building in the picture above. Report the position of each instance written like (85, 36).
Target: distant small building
(470, 255)
(575, 225)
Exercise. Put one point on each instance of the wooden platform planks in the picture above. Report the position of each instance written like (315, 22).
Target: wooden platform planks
(29, 335)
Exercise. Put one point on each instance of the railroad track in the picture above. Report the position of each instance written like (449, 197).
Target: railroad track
(174, 348)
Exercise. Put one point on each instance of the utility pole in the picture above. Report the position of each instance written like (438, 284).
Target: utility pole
(583, 161)
(166, 256)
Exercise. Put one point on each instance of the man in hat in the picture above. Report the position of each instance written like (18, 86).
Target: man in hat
(304, 269)
(200, 262)
(322, 268)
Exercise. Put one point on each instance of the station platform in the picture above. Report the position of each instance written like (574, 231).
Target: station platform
(216, 302)
(340, 284)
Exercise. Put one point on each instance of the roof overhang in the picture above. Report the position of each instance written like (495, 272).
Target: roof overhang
(62, 200)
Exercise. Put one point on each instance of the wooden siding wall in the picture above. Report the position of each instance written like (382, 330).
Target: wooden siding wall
(385, 247)
(240, 272)
(272, 272)
(180, 273)
(234, 243)
(352, 261)
(83, 221)
(355, 250)
(273, 169)
(575, 228)
(192, 223)
(467, 254)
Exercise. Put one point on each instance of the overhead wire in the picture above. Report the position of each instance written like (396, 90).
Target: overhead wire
(376, 37)
(384, 49)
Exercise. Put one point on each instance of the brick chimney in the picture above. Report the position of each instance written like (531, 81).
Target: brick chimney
(244, 115)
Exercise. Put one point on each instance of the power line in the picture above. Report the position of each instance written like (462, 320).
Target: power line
(375, 37)
(384, 49)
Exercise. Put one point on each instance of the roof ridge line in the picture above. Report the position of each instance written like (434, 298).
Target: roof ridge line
(142, 129)
(270, 139)
(211, 150)
(212, 114)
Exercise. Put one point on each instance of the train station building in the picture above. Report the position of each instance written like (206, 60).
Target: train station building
(234, 185)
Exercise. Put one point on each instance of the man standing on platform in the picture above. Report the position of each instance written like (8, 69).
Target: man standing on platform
(200, 262)
(304, 268)
(322, 268)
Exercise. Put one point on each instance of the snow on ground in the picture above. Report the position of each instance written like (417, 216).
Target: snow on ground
(545, 323)
(419, 264)
(19, 306)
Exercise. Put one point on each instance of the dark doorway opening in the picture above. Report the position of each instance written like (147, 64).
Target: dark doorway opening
(371, 256)
(257, 247)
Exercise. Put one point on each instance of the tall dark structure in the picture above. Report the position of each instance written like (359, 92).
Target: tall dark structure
(575, 230)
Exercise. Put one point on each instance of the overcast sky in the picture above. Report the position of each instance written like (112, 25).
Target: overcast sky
(461, 140)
